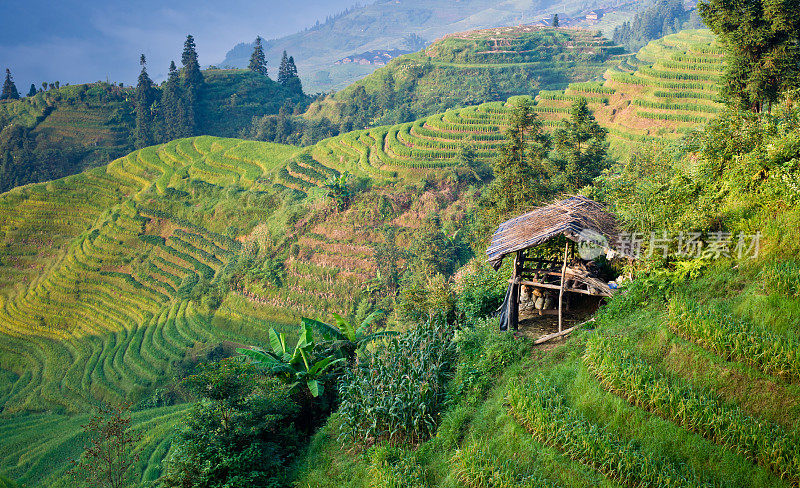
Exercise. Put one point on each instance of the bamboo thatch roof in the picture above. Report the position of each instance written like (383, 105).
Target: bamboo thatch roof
(576, 217)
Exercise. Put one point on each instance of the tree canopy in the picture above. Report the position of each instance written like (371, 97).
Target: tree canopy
(9, 88)
(258, 61)
(761, 42)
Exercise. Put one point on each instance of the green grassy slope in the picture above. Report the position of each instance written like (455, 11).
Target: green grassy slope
(479, 66)
(681, 381)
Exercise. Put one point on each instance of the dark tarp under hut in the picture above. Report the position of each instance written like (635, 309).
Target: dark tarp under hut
(577, 218)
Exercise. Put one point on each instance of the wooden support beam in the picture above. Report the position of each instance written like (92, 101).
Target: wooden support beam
(562, 333)
(513, 303)
(561, 286)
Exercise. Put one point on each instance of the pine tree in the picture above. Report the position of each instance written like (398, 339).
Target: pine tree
(170, 119)
(581, 147)
(284, 71)
(761, 40)
(32, 91)
(293, 82)
(521, 167)
(192, 83)
(144, 133)
(555, 20)
(258, 62)
(191, 67)
(9, 88)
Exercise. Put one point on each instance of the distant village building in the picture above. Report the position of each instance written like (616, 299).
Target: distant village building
(378, 57)
(595, 15)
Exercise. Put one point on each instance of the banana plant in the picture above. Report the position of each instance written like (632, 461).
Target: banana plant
(347, 338)
(293, 368)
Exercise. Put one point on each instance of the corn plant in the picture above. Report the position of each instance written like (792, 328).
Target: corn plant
(397, 393)
(736, 339)
(542, 409)
(642, 384)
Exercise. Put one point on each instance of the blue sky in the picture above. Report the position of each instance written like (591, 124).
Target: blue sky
(75, 42)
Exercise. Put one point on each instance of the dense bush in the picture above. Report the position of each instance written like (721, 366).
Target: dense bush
(397, 393)
(240, 434)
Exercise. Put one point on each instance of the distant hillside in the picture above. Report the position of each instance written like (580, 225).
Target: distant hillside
(386, 23)
(67, 129)
(469, 68)
(669, 87)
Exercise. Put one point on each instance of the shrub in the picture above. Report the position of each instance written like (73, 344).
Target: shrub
(240, 434)
(397, 394)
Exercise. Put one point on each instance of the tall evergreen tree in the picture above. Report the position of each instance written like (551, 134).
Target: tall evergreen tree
(9, 88)
(293, 83)
(762, 43)
(171, 121)
(144, 133)
(581, 147)
(258, 61)
(284, 71)
(192, 83)
(32, 91)
(191, 67)
(521, 169)
(555, 20)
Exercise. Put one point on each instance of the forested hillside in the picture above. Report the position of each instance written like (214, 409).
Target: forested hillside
(466, 69)
(66, 129)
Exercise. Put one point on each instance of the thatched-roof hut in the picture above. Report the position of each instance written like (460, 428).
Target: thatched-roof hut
(583, 222)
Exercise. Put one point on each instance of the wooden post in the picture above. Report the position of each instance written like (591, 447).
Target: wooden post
(513, 305)
(561, 287)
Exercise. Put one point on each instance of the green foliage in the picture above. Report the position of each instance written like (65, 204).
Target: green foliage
(623, 372)
(398, 392)
(295, 368)
(478, 465)
(347, 339)
(240, 434)
(393, 466)
(9, 88)
(581, 147)
(521, 170)
(258, 62)
(662, 18)
(760, 39)
(338, 190)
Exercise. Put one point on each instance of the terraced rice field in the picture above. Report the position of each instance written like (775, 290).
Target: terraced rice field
(669, 87)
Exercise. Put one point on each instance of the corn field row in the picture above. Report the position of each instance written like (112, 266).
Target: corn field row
(543, 411)
(736, 339)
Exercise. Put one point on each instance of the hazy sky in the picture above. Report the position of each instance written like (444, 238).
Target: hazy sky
(74, 42)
